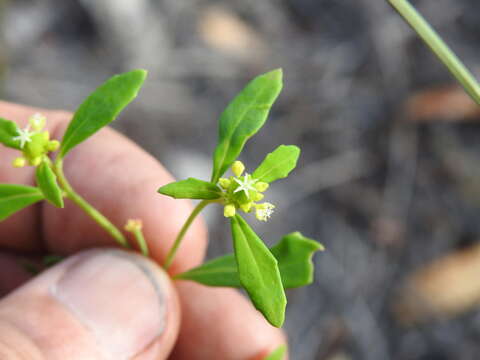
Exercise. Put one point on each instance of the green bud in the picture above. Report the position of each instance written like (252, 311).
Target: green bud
(238, 168)
(224, 183)
(257, 196)
(246, 207)
(229, 210)
(261, 186)
(53, 145)
(19, 162)
(36, 161)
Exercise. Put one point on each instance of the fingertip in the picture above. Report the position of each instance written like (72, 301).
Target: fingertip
(97, 304)
(219, 323)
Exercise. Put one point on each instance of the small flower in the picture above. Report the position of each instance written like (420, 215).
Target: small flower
(24, 136)
(133, 225)
(264, 211)
(246, 185)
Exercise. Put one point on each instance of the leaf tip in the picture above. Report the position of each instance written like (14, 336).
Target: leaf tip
(163, 190)
(276, 74)
(141, 72)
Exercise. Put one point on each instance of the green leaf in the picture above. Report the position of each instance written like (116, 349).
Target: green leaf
(9, 130)
(243, 117)
(14, 198)
(277, 354)
(102, 107)
(258, 271)
(293, 252)
(277, 164)
(221, 271)
(294, 255)
(191, 188)
(47, 183)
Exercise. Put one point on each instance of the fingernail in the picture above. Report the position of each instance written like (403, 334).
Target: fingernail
(117, 298)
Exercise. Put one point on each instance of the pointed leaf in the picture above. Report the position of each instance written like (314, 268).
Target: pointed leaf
(243, 117)
(9, 130)
(191, 188)
(221, 271)
(102, 107)
(47, 183)
(258, 271)
(14, 198)
(277, 354)
(294, 255)
(277, 164)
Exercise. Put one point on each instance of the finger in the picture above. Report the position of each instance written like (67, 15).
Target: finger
(221, 324)
(13, 274)
(99, 304)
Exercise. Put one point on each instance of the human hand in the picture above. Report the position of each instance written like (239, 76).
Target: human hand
(105, 303)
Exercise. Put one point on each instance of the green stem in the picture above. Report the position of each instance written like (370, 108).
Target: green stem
(438, 46)
(85, 206)
(183, 231)
(141, 241)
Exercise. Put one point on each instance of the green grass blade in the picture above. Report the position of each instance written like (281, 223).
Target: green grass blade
(438, 46)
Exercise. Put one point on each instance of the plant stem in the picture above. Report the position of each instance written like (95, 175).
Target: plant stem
(438, 46)
(141, 241)
(183, 231)
(85, 206)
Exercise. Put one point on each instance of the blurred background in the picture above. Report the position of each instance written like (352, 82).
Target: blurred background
(389, 176)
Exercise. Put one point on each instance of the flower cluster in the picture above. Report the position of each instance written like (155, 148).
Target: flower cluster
(34, 143)
(243, 192)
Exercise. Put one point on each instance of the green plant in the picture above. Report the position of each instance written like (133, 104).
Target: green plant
(264, 273)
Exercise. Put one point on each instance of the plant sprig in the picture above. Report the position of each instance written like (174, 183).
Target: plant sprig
(264, 273)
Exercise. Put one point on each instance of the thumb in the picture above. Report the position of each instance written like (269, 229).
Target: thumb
(99, 304)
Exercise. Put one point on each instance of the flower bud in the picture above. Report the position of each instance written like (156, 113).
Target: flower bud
(53, 145)
(229, 210)
(224, 183)
(261, 186)
(36, 161)
(258, 197)
(19, 162)
(133, 225)
(247, 206)
(238, 168)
